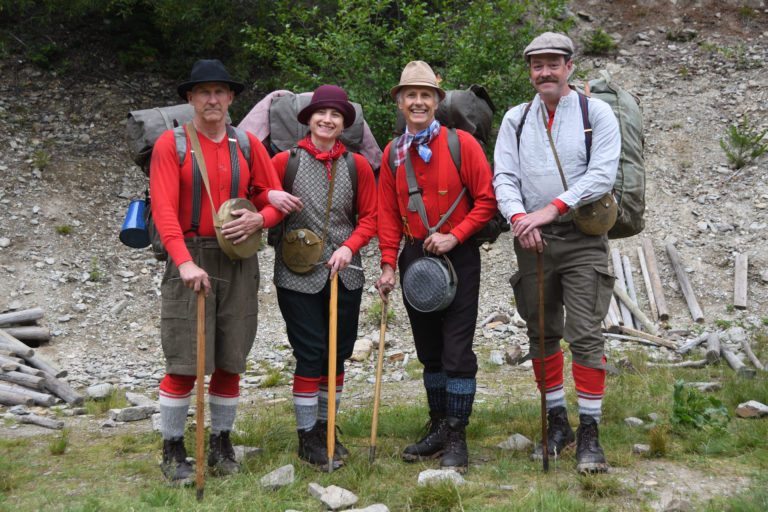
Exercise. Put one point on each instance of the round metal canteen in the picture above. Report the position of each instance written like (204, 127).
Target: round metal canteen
(429, 284)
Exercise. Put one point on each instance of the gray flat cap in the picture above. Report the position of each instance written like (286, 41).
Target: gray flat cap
(549, 42)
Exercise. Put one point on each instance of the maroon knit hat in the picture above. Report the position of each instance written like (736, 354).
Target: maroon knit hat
(329, 96)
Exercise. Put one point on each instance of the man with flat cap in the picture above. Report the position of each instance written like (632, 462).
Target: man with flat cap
(462, 198)
(560, 128)
(237, 166)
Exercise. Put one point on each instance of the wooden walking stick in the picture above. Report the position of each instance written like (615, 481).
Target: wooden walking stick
(200, 397)
(377, 386)
(544, 440)
(332, 327)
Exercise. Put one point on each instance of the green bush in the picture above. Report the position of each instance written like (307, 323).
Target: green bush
(743, 144)
(598, 43)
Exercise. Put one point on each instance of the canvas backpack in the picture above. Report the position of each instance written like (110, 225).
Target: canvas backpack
(144, 127)
(470, 110)
(629, 187)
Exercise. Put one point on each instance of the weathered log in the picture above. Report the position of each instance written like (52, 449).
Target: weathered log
(624, 337)
(630, 280)
(43, 399)
(13, 348)
(22, 379)
(685, 284)
(21, 316)
(41, 421)
(740, 282)
(653, 274)
(8, 366)
(33, 333)
(615, 311)
(41, 363)
(618, 269)
(713, 348)
(10, 398)
(751, 355)
(650, 337)
(23, 368)
(648, 286)
(690, 345)
(734, 362)
(62, 390)
(636, 311)
(699, 363)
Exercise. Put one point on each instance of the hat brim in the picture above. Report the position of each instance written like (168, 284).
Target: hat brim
(347, 111)
(184, 88)
(551, 51)
(393, 92)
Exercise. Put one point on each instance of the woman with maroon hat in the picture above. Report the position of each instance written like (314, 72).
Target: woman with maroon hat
(333, 195)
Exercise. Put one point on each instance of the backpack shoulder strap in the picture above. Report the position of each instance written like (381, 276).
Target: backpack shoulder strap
(519, 130)
(244, 142)
(349, 157)
(454, 146)
(291, 168)
(180, 135)
(181, 143)
(584, 104)
(391, 159)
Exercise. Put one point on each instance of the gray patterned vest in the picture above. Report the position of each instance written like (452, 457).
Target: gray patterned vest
(311, 185)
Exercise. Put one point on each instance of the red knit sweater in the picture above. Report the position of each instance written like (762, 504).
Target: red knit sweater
(440, 184)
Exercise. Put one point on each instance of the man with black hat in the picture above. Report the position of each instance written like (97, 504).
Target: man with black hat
(553, 155)
(232, 164)
(463, 198)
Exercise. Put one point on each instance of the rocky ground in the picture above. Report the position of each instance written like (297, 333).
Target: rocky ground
(67, 179)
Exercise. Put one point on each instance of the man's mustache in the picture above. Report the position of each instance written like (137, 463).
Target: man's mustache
(546, 80)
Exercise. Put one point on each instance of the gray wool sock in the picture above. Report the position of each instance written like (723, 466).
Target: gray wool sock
(223, 412)
(306, 416)
(173, 417)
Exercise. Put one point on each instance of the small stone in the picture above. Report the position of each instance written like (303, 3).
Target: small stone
(5, 242)
(378, 507)
(362, 350)
(315, 489)
(395, 356)
(634, 422)
(110, 423)
(496, 357)
(335, 497)
(434, 476)
(641, 449)
(278, 478)
(513, 355)
(705, 386)
(18, 410)
(132, 413)
(246, 453)
(751, 409)
(139, 399)
(516, 442)
(99, 391)
(654, 417)
(678, 505)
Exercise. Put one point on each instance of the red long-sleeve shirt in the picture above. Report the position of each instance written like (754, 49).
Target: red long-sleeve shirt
(440, 184)
(171, 188)
(366, 199)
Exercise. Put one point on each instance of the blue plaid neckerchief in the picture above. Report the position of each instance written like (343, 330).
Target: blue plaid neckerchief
(422, 139)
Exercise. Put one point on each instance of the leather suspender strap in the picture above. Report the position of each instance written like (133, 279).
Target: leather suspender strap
(197, 154)
(552, 145)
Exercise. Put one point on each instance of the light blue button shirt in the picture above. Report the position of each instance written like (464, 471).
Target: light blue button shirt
(528, 180)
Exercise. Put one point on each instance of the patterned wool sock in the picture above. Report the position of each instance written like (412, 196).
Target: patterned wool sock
(305, 399)
(435, 383)
(590, 387)
(460, 395)
(322, 406)
(223, 396)
(175, 393)
(555, 393)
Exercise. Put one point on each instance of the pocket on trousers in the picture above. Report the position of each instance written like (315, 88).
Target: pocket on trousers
(604, 281)
(175, 329)
(519, 293)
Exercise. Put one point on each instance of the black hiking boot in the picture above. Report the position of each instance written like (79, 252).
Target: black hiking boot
(221, 455)
(559, 434)
(340, 451)
(175, 466)
(432, 444)
(313, 448)
(456, 455)
(589, 454)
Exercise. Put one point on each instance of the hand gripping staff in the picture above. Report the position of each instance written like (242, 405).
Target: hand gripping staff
(377, 386)
(543, 390)
(200, 397)
(332, 328)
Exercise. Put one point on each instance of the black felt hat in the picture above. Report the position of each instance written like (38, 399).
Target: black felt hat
(208, 70)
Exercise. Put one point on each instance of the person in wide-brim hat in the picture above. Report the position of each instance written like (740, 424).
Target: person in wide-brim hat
(209, 70)
(418, 73)
(329, 96)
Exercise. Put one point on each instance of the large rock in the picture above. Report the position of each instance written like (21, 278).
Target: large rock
(335, 497)
(751, 409)
(279, 478)
(378, 507)
(516, 442)
(132, 413)
(362, 350)
(99, 391)
(140, 400)
(436, 476)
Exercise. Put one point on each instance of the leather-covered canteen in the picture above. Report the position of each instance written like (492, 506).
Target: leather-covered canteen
(250, 245)
(301, 250)
(597, 217)
(429, 284)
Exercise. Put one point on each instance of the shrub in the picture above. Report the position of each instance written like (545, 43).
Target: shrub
(743, 144)
(692, 409)
(598, 43)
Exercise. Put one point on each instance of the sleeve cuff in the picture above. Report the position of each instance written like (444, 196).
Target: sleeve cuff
(561, 206)
(516, 217)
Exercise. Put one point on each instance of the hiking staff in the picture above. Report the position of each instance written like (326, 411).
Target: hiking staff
(200, 397)
(377, 385)
(544, 444)
(332, 327)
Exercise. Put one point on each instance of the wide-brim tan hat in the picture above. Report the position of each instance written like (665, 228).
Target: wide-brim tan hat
(417, 73)
(245, 249)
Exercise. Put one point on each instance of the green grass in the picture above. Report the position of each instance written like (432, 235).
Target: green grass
(114, 471)
(114, 400)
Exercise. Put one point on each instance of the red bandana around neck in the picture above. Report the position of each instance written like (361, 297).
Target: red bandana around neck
(326, 157)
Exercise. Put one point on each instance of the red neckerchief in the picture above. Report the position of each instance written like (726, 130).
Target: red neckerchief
(326, 157)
